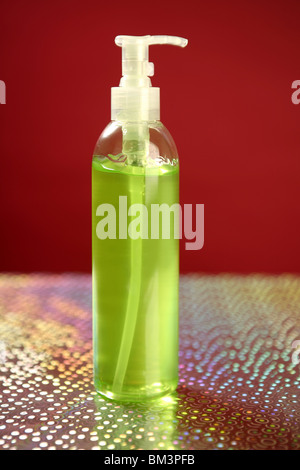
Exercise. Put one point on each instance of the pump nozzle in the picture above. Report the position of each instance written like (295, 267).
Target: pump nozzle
(135, 54)
(135, 98)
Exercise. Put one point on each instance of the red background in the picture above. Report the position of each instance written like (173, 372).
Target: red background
(226, 99)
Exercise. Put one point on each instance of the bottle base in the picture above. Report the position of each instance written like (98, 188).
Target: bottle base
(134, 393)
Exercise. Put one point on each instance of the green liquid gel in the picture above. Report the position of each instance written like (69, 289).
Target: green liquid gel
(135, 287)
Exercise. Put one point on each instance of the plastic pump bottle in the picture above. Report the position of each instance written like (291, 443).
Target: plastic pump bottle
(135, 231)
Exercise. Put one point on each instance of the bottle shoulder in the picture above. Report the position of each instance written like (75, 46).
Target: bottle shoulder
(153, 135)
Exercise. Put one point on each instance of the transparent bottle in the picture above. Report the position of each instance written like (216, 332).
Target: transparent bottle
(135, 280)
(135, 237)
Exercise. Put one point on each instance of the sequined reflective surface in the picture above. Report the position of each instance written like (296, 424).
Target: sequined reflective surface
(239, 371)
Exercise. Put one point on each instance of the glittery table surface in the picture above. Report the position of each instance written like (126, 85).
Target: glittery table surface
(239, 371)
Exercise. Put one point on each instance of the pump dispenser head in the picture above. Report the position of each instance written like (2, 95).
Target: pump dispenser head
(135, 99)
